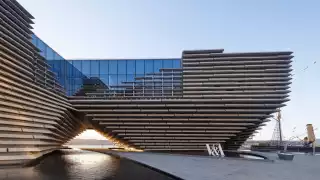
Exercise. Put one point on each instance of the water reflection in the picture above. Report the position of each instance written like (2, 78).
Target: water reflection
(78, 164)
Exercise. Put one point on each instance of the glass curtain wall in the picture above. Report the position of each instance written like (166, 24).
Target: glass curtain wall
(71, 74)
(114, 72)
(67, 75)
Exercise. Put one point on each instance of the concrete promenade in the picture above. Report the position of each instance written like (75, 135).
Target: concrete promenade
(304, 167)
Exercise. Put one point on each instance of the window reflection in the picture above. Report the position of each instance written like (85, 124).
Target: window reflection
(167, 63)
(113, 79)
(71, 74)
(111, 72)
(121, 78)
(139, 66)
(104, 67)
(76, 72)
(176, 63)
(94, 68)
(34, 40)
(157, 65)
(113, 69)
(49, 54)
(122, 69)
(139, 75)
(105, 81)
(131, 67)
(149, 66)
(69, 68)
(130, 77)
(42, 48)
(104, 78)
(86, 67)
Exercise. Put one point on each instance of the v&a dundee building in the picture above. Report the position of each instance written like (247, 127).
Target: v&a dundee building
(179, 104)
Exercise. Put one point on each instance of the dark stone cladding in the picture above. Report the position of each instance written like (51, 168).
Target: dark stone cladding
(35, 115)
(226, 97)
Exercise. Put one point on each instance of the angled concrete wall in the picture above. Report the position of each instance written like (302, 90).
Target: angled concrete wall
(35, 116)
(225, 98)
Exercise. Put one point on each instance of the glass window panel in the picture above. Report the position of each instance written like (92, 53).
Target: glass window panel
(94, 75)
(113, 69)
(77, 67)
(51, 64)
(104, 67)
(34, 40)
(176, 63)
(131, 67)
(121, 78)
(122, 67)
(149, 66)
(86, 67)
(70, 69)
(94, 68)
(62, 82)
(105, 79)
(157, 65)
(130, 77)
(139, 66)
(61, 68)
(113, 79)
(49, 54)
(139, 75)
(56, 56)
(42, 47)
(167, 64)
(68, 84)
(55, 66)
(78, 82)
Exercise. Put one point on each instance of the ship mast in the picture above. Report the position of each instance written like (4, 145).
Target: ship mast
(279, 124)
(277, 138)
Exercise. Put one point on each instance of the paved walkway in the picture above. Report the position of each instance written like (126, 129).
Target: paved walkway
(304, 167)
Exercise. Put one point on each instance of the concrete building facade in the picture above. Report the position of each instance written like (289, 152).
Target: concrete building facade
(177, 104)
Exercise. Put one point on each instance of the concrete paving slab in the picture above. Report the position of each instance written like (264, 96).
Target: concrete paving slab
(304, 167)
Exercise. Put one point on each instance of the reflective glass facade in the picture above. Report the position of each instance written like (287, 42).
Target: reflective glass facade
(45, 50)
(114, 72)
(72, 73)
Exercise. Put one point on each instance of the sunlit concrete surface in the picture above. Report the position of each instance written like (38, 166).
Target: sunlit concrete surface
(303, 167)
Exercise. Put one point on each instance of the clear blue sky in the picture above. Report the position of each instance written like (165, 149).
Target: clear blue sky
(163, 28)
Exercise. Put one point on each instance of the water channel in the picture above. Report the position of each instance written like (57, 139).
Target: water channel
(78, 164)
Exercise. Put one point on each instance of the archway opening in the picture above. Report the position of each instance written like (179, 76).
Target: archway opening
(90, 139)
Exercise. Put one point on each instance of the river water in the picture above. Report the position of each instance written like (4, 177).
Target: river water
(79, 164)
